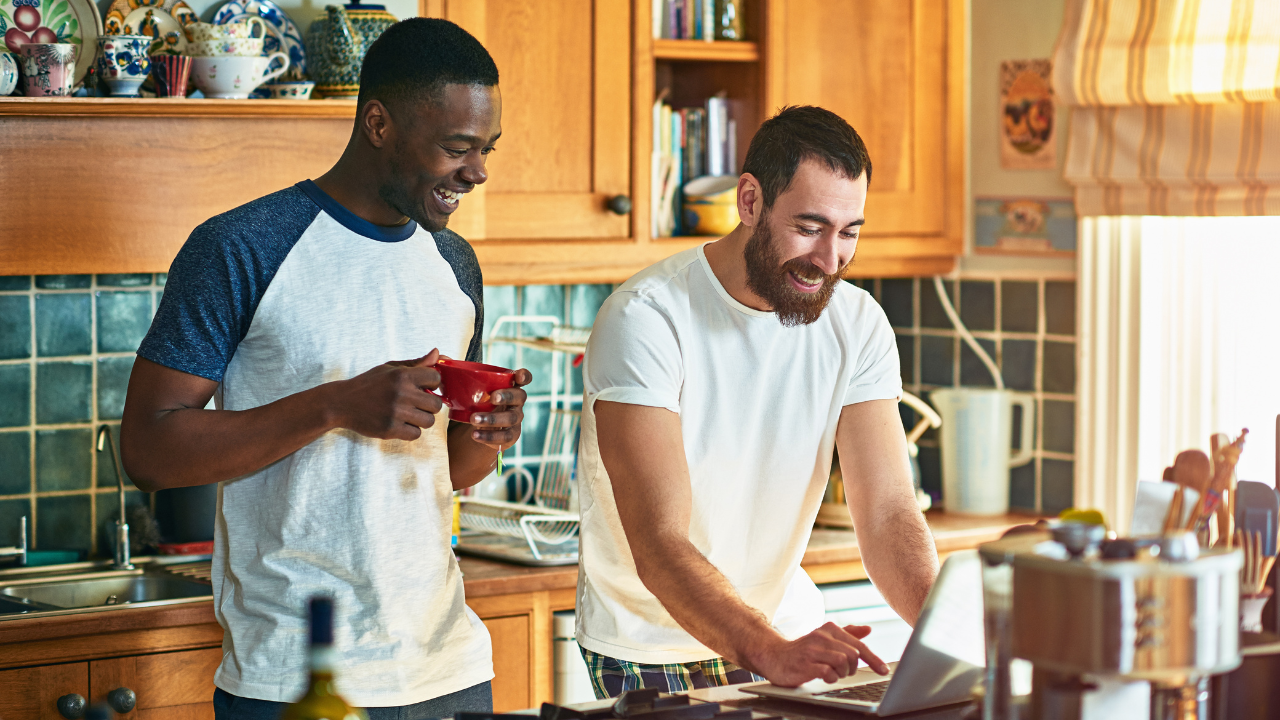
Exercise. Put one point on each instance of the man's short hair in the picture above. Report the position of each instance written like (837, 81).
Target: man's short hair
(799, 133)
(414, 59)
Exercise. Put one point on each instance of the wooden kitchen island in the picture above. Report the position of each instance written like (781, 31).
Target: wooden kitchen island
(167, 655)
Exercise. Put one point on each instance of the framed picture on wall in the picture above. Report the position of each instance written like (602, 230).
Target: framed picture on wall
(1027, 115)
(1044, 227)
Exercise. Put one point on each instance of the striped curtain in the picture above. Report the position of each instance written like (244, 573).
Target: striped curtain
(1176, 106)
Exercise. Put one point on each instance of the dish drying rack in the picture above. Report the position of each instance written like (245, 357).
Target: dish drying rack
(538, 526)
(545, 517)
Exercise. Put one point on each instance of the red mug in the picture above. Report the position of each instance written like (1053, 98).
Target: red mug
(465, 386)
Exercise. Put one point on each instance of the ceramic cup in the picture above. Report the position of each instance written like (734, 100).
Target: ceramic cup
(123, 63)
(205, 32)
(465, 386)
(234, 78)
(48, 68)
(9, 73)
(290, 90)
(235, 47)
(171, 73)
(1251, 607)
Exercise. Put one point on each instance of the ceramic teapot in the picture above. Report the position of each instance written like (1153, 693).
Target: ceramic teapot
(336, 44)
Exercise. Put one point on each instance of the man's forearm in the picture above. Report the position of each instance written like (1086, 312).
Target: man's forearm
(703, 602)
(193, 446)
(900, 556)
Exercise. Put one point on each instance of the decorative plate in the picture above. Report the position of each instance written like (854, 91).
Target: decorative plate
(169, 37)
(282, 34)
(121, 10)
(53, 21)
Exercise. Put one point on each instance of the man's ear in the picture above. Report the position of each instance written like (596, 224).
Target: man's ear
(375, 123)
(750, 199)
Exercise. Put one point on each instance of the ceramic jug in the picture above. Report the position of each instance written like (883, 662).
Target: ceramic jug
(976, 432)
(336, 44)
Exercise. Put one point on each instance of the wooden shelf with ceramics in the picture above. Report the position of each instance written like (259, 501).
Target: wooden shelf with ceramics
(173, 107)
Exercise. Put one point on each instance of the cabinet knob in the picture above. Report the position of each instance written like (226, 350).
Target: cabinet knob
(619, 204)
(71, 706)
(122, 700)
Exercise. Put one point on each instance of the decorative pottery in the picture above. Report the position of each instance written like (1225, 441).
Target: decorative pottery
(206, 32)
(48, 68)
(8, 73)
(165, 33)
(290, 90)
(233, 78)
(122, 62)
(236, 47)
(171, 73)
(120, 10)
(282, 35)
(74, 22)
(337, 42)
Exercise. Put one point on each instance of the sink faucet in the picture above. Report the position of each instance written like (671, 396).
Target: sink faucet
(121, 559)
(20, 550)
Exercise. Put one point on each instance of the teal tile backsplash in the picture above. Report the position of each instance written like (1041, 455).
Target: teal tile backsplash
(64, 324)
(123, 319)
(15, 327)
(15, 395)
(15, 463)
(64, 392)
(67, 347)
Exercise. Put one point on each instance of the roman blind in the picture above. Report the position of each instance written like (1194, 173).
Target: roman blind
(1176, 106)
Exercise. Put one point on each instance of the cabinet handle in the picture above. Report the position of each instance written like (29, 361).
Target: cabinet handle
(71, 706)
(122, 700)
(619, 204)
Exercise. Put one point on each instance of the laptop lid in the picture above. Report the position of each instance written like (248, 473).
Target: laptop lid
(943, 660)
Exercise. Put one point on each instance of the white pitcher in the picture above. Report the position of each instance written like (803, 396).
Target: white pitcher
(976, 433)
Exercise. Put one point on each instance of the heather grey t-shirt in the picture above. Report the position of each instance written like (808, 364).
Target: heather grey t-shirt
(278, 296)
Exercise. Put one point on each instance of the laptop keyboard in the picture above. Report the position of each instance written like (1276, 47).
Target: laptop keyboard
(871, 692)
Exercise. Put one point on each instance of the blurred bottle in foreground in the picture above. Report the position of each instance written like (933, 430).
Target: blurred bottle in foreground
(321, 701)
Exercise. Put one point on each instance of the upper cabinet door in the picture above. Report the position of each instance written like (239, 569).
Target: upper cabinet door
(882, 65)
(565, 76)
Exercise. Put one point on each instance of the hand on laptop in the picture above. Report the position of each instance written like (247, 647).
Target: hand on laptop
(830, 652)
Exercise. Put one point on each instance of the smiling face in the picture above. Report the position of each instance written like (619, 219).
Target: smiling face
(438, 151)
(800, 246)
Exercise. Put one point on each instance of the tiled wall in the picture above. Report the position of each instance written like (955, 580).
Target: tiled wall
(1029, 328)
(67, 343)
(66, 350)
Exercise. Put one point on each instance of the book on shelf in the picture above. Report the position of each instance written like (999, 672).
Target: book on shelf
(684, 19)
(688, 143)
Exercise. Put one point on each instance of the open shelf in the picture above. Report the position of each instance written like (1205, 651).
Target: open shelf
(173, 107)
(702, 50)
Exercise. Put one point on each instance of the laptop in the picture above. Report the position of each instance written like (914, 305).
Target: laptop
(944, 658)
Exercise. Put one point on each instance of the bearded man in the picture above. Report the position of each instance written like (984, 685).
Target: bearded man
(718, 382)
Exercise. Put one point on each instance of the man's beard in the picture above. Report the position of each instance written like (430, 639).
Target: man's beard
(767, 277)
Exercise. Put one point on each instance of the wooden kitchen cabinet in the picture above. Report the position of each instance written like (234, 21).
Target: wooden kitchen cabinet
(565, 70)
(32, 693)
(893, 69)
(128, 179)
(168, 686)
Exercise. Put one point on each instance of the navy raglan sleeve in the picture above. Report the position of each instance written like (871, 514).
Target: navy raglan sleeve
(217, 280)
(466, 268)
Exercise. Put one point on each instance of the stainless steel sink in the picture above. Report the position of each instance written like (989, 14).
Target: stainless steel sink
(97, 590)
(69, 594)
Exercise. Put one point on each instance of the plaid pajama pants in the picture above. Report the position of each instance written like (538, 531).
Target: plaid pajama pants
(610, 676)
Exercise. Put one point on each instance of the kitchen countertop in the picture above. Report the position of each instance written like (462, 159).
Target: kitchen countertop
(486, 578)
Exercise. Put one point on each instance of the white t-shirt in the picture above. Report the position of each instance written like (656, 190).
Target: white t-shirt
(758, 405)
(276, 297)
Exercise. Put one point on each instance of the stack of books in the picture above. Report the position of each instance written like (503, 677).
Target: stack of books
(684, 19)
(688, 143)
